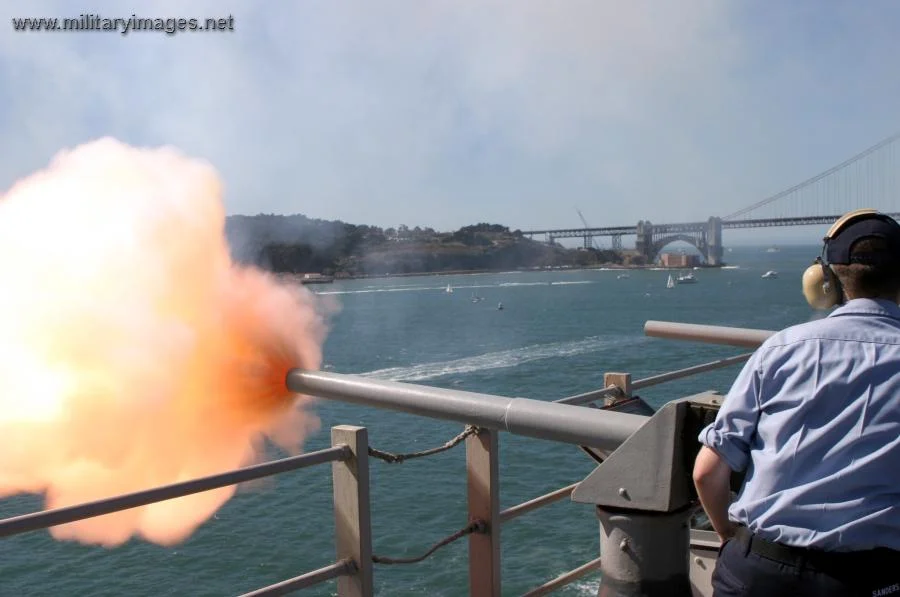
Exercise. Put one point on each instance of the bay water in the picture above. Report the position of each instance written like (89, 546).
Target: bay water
(557, 334)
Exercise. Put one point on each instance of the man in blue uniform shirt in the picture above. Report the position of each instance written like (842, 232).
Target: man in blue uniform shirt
(813, 420)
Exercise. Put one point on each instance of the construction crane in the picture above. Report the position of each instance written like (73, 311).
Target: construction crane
(586, 237)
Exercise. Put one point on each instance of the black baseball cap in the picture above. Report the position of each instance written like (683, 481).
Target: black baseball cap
(876, 225)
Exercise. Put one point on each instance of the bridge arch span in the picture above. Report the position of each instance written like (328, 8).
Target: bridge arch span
(661, 243)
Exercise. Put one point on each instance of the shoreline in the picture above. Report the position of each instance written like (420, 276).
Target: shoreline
(601, 267)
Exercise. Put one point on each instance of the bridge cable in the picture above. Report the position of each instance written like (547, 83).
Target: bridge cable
(816, 178)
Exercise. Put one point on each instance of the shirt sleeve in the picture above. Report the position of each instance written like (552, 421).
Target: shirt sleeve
(730, 434)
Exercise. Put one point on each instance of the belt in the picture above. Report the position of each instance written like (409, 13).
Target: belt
(815, 558)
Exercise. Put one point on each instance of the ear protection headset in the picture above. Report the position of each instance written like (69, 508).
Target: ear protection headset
(821, 286)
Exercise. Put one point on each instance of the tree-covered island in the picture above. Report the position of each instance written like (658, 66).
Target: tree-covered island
(296, 244)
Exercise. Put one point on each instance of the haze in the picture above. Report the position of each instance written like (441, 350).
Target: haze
(447, 113)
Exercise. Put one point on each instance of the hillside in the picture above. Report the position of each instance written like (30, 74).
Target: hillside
(297, 244)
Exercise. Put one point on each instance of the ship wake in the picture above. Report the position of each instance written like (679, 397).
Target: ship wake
(505, 358)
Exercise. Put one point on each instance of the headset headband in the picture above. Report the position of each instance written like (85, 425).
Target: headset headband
(846, 219)
(855, 226)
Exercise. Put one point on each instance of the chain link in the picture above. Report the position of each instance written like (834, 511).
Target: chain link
(476, 526)
(396, 458)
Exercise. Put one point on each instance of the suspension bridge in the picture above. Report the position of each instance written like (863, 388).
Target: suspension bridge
(869, 179)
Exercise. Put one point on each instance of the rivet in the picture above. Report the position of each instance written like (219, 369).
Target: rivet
(623, 545)
(698, 560)
(623, 492)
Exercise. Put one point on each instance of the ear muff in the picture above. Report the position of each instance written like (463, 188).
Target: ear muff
(821, 287)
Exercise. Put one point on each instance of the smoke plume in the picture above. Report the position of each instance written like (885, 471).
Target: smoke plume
(133, 352)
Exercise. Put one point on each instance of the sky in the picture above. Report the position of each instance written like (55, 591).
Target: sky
(447, 113)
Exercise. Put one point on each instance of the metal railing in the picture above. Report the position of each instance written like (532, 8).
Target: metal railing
(48, 518)
(560, 421)
(349, 455)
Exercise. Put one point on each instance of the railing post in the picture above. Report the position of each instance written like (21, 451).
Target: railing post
(482, 471)
(621, 381)
(352, 515)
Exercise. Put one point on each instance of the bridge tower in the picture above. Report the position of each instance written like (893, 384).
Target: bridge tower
(714, 250)
(644, 242)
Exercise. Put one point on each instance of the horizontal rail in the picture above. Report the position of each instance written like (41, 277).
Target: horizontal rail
(538, 502)
(564, 579)
(48, 518)
(654, 380)
(592, 396)
(521, 416)
(688, 371)
(712, 334)
(303, 581)
(705, 539)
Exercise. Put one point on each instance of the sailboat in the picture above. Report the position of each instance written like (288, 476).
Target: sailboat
(449, 289)
(670, 283)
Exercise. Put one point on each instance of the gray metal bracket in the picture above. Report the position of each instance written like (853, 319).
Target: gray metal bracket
(651, 470)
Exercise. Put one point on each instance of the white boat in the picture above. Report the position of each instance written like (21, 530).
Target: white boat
(499, 306)
(670, 283)
(770, 274)
(772, 250)
(622, 276)
(449, 289)
(686, 279)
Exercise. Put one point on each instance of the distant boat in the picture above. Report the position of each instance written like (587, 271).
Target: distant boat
(449, 289)
(770, 274)
(316, 279)
(686, 279)
(670, 283)
(476, 298)
(499, 306)
(772, 250)
(622, 276)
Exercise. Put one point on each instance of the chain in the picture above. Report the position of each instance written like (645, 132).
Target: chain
(476, 526)
(394, 458)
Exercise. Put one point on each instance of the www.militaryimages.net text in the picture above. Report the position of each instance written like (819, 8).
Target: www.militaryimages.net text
(124, 26)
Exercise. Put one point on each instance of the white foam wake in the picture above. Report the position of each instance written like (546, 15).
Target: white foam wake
(458, 288)
(503, 359)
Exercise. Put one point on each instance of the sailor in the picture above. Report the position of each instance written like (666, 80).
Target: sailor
(813, 423)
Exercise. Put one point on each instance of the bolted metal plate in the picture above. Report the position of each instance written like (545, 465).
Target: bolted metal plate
(651, 470)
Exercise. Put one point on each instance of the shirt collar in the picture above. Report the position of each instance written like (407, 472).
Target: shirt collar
(868, 306)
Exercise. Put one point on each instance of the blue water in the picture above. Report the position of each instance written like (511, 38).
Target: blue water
(557, 335)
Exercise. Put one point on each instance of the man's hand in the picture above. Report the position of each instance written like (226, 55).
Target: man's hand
(712, 478)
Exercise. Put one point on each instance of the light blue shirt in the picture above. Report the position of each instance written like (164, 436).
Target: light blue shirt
(814, 418)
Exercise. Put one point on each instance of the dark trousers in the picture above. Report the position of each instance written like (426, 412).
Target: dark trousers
(748, 567)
